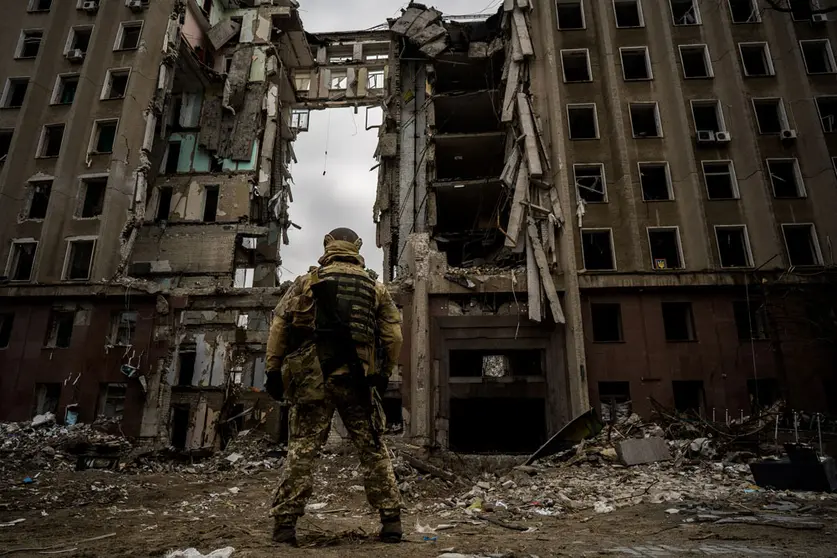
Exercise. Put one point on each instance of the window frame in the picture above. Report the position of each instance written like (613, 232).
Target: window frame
(374, 72)
(331, 78)
(42, 140)
(27, 208)
(829, 54)
(657, 118)
(94, 136)
(107, 85)
(66, 267)
(603, 180)
(812, 229)
(755, 7)
(706, 58)
(797, 170)
(121, 34)
(609, 230)
(583, 16)
(733, 178)
(639, 10)
(692, 322)
(669, 184)
(68, 44)
(7, 89)
(695, 6)
(586, 52)
(82, 194)
(116, 320)
(57, 89)
(33, 9)
(10, 258)
(719, 113)
(619, 323)
(648, 65)
(767, 56)
(21, 41)
(747, 246)
(784, 121)
(595, 120)
(676, 229)
(819, 113)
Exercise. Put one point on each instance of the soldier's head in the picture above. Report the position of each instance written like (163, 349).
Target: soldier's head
(343, 234)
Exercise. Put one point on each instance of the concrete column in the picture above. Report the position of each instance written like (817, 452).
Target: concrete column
(421, 362)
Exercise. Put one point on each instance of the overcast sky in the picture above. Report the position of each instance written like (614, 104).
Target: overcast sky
(344, 196)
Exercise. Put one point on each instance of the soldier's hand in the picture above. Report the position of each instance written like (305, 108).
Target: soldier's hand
(378, 381)
(274, 385)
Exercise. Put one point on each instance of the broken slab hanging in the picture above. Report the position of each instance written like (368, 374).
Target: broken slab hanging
(580, 428)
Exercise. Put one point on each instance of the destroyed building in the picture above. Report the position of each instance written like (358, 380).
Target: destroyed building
(579, 203)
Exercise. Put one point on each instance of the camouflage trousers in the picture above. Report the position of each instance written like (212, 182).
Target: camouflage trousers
(310, 423)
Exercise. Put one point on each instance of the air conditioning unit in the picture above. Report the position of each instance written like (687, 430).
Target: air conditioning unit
(90, 6)
(722, 137)
(705, 136)
(136, 5)
(819, 18)
(788, 134)
(75, 55)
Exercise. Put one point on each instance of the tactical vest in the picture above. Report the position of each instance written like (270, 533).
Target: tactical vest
(345, 315)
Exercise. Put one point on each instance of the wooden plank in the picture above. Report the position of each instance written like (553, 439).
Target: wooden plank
(508, 5)
(521, 193)
(523, 32)
(517, 52)
(533, 285)
(510, 170)
(546, 275)
(557, 210)
(533, 155)
(511, 89)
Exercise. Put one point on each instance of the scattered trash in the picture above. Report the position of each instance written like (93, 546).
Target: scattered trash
(41, 420)
(317, 506)
(422, 529)
(602, 507)
(194, 553)
(28, 480)
(234, 490)
(233, 457)
(672, 511)
(12, 523)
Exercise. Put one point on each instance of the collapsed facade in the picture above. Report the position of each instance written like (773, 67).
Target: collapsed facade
(549, 246)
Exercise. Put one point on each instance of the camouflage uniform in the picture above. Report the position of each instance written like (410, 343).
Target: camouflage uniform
(314, 399)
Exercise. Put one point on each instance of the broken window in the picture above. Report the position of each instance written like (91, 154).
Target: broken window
(339, 80)
(597, 250)
(5, 143)
(801, 10)
(79, 259)
(576, 65)
(15, 92)
(770, 116)
(299, 119)
(802, 244)
(496, 363)
(210, 203)
(750, 320)
(302, 82)
(733, 246)
(688, 396)
(186, 367)
(707, 116)
(375, 79)
(65, 89)
(570, 14)
(372, 57)
(827, 108)
(7, 320)
(628, 13)
(51, 139)
(744, 11)
(582, 122)
(636, 63)
(128, 37)
(92, 196)
(244, 277)
(40, 5)
(60, 329)
(607, 322)
(46, 398)
(786, 178)
(645, 120)
(22, 260)
(30, 43)
(655, 182)
(755, 59)
(39, 192)
(818, 57)
(104, 135)
(664, 243)
(116, 84)
(615, 400)
(678, 321)
(112, 400)
(78, 43)
(695, 61)
(685, 12)
(172, 157)
(123, 326)
(590, 182)
(164, 203)
(763, 392)
(720, 180)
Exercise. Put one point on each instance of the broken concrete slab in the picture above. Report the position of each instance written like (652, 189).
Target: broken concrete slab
(637, 451)
(222, 32)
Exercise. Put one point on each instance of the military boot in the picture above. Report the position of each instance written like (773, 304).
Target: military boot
(284, 533)
(390, 528)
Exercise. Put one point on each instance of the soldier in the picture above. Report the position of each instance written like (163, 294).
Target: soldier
(321, 357)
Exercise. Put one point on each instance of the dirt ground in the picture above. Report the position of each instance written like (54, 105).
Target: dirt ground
(152, 514)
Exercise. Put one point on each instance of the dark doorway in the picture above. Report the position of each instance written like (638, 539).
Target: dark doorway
(497, 425)
(179, 425)
(688, 396)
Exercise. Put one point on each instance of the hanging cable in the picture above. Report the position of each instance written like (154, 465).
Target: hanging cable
(328, 137)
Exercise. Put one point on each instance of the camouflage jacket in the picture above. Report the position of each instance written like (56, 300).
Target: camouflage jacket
(293, 322)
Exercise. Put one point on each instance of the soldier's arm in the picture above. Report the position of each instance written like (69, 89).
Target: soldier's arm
(389, 329)
(277, 340)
